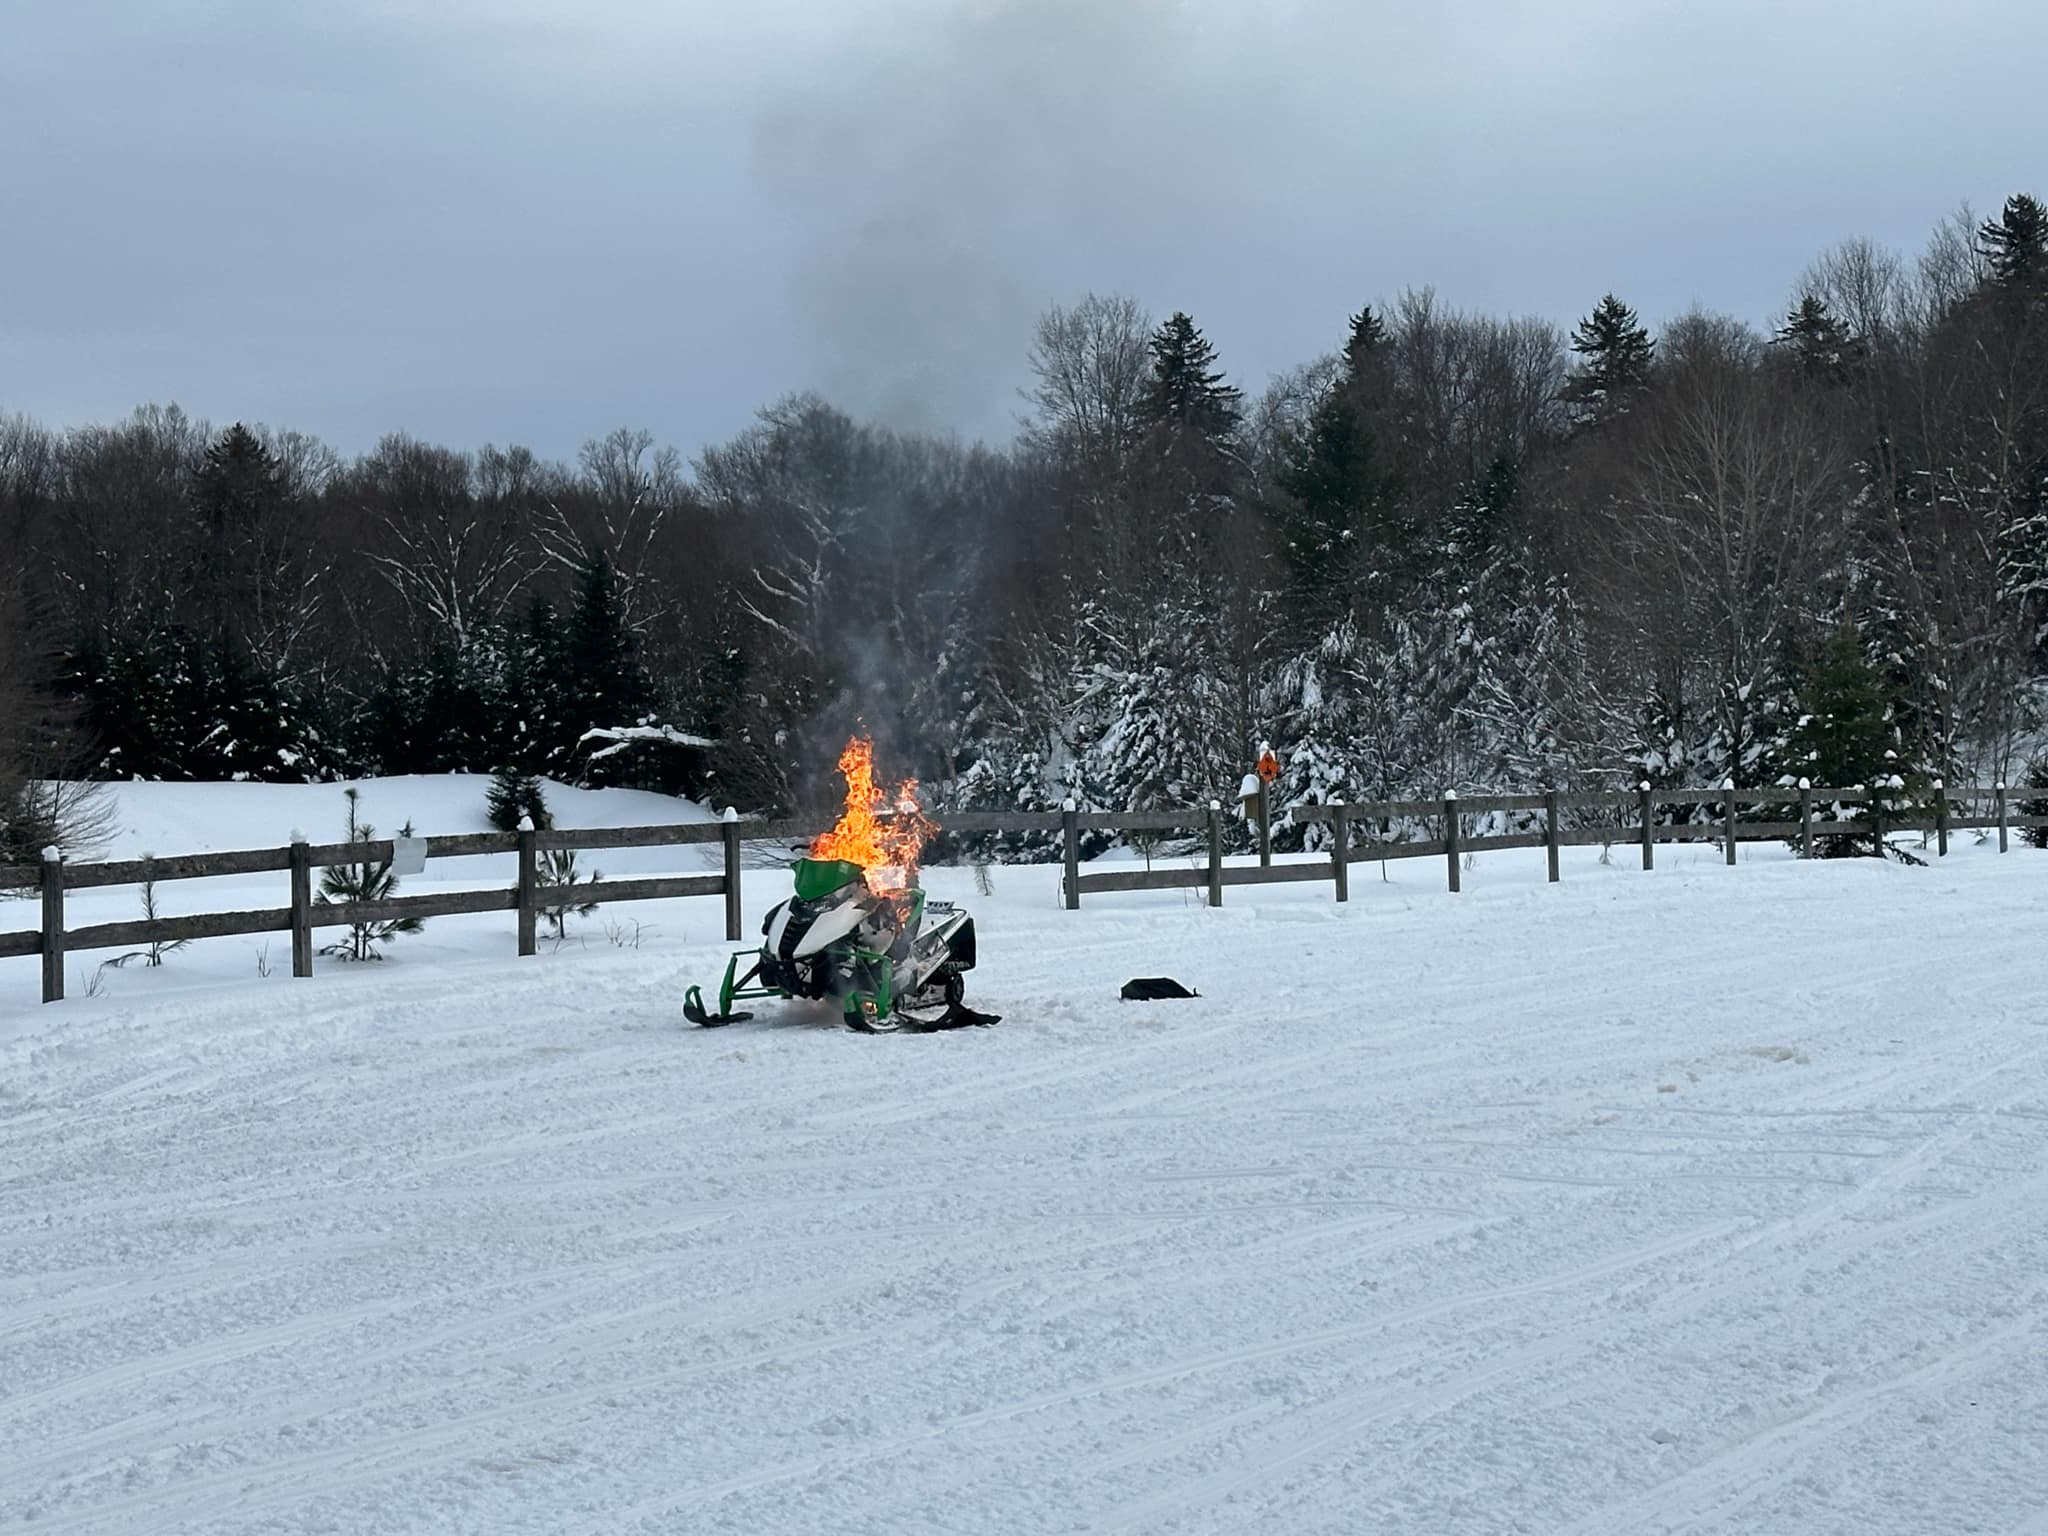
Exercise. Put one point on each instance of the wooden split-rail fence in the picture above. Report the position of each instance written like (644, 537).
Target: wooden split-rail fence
(1606, 819)
(1629, 817)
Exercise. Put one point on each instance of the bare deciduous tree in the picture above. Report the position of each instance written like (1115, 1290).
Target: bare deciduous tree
(453, 561)
(1737, 502)
(619, 509)
(1089, 363)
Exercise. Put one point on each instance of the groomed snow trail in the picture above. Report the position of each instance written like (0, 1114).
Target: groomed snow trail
(1702, 1200)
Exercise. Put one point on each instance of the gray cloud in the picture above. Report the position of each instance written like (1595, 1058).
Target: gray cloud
(503, 220)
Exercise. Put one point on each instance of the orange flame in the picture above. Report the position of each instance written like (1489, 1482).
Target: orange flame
(882, 833)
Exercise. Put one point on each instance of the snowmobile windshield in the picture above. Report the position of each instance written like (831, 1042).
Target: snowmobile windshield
(816, 878)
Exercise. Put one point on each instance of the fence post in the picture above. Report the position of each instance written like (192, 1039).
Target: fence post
(1265, 827)
(302, 907)
(1806, 818)
(1940, 819)
(2001, 816)
(1451, 836)
(1550, 844)
(1215, 853)
(53, 925)
(1877, 818)
(1649, 815)
(1728, 818)
(529, 881)
(731, 830)
(1070, 826)
(1340, 856)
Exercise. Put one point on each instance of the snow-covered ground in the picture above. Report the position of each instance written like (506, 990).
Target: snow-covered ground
(1703, 1200)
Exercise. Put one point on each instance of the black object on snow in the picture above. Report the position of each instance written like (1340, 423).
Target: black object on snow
(1145, 989)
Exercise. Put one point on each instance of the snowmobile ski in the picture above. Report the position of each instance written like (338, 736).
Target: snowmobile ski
(694, 1011)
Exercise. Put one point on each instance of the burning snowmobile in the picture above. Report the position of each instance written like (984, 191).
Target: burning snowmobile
(859, 931)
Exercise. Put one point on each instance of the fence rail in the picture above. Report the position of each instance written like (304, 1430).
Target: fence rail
(1635, 822)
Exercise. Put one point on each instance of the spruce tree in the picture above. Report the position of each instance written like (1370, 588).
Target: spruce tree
(1186, 388)
(1477, 524)
(249, 716)
(2015, 247)
(237, 495)
(601, 664)
(540, 736)
(1365, 355)
(238, 481)
(1314, 699)
(514, 794)
(1334, 523)
(1818, 342)
(1844, 737)
(1618, 354)
(1336, 492)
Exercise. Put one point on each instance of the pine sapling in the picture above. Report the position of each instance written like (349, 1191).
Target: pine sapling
(558, 868)
(152, 953)
(365, 880)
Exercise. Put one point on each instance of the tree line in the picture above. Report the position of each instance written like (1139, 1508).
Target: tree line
(1459, 550)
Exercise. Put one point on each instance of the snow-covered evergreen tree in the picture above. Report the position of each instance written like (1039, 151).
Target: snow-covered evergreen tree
(514, 795)
(1314, 702)
(1537, 707)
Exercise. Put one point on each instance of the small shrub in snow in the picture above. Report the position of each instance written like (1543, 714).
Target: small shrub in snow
(616, 934)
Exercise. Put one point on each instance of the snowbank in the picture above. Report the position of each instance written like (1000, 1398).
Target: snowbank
(166, 819)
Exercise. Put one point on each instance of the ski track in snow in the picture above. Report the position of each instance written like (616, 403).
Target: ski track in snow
(1704, 1200)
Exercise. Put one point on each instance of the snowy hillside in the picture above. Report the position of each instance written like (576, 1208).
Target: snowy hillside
(196, 818)
(1702, 1200)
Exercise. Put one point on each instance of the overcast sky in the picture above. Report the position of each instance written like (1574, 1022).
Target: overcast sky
(515, 221)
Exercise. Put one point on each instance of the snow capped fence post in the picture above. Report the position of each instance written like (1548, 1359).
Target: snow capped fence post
(529, 862)
(1940, 819)
(1340, 852)
(1806, 818)
(53, 925)
(1451, 836)
(1215, 853)
(2000, 792)
(731, 829)
(1550, 831)
(1070, 828)
(1728, 826)
(1648, 811)
(302, 906)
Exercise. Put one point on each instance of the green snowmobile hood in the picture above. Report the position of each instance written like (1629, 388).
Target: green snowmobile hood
(817, 878)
